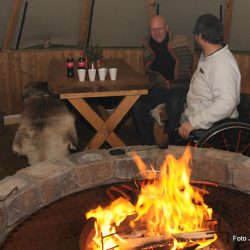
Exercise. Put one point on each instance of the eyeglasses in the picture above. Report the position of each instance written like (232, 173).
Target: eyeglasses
(160, 29)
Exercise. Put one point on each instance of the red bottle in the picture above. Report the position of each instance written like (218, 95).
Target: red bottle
(70, 65)
(81, 61)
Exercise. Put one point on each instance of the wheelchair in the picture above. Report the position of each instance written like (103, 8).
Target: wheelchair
(230, 135)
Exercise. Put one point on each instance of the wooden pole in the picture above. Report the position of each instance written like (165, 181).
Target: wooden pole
(12, 22)
(151, 8)
(228, 19)
(84, 23)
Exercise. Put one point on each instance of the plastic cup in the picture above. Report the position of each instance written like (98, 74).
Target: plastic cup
(113, 73)
(92, 74)
(81, 74)
(102, 72)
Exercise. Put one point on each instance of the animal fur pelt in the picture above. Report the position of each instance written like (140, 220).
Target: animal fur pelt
(47, 128)
(155, 113)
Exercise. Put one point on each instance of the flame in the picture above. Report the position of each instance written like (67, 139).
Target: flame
(107, 220)
(167, 205)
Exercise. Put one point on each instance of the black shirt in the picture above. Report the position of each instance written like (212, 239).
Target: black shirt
(164, 62)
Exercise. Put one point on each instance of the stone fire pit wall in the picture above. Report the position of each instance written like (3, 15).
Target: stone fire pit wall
(34, 187)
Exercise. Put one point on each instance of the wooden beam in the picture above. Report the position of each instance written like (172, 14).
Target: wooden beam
(84, 22)
(228, 19)
(12, 22)
(151, 8)
(11, 119)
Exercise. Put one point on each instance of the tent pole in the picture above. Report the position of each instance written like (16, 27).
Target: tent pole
(228, 19)
(22, 24)
(12, 22)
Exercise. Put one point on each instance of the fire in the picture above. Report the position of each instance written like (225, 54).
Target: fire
(167, 206)
(107, 220)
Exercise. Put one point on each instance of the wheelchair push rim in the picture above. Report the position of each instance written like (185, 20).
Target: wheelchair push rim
(231, 136)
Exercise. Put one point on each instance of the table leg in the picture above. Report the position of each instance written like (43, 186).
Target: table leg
(104, 129)
(107, 128)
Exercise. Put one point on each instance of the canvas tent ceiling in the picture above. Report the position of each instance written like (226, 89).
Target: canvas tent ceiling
(116, 23)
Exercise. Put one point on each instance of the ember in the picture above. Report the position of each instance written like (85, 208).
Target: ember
(168, 211)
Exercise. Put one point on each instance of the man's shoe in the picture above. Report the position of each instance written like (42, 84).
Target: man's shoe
(163, 145)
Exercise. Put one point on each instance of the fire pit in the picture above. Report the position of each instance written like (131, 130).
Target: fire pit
(41, 185)
(169, 213)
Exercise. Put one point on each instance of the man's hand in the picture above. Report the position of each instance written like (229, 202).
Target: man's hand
(185, 129)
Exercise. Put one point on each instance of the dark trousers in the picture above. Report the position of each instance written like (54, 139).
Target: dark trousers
(174, 99)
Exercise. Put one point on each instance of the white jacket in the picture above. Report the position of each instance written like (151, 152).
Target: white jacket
(214, 91)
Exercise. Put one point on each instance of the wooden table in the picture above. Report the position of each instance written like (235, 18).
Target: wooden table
(129, 84)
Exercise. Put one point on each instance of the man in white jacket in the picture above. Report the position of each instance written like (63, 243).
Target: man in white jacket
(214, 91)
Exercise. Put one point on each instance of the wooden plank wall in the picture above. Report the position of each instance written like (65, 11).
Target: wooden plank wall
(19, 67)
(244, 65)
(243, 60)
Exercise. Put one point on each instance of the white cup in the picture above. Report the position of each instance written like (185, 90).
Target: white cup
(102, 72)
(92, 73)
(113, 73)
(81, 74)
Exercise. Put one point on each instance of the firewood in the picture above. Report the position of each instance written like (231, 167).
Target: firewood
(208, 183)
(134, 243)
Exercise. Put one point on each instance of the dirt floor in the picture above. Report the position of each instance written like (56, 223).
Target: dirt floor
(9, 162)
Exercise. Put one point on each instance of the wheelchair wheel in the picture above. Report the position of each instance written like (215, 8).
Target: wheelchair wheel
(230, 136)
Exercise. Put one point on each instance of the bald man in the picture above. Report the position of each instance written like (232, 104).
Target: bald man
(158, 28)
(161, 65)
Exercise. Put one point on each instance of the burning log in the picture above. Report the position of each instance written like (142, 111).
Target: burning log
(113, 189)
(139, 242)
(207, 183)
(201, 191)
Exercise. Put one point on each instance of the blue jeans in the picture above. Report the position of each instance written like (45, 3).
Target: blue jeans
(174, 99)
